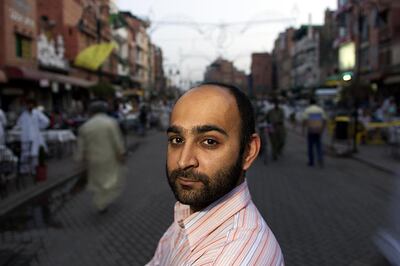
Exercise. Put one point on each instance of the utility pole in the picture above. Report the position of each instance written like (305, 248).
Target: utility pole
(357, 79)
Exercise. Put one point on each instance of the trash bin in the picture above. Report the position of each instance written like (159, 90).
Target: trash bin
(341, 131)
(341, 140)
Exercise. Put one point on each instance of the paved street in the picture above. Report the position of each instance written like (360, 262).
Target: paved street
(319, 216)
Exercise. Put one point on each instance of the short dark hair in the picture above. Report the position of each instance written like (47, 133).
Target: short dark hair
(246, 112)
(31, 101)
(96, 107)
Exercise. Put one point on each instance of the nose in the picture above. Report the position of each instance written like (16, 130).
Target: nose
(187, 158)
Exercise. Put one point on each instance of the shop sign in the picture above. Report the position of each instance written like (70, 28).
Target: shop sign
(44, 83)
(51, 53)
(23, 6)
(23, 19)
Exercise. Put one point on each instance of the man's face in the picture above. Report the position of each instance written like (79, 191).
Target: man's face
(203, 160)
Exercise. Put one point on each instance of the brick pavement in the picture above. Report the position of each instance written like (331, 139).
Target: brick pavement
(320, 216)
(128, 233)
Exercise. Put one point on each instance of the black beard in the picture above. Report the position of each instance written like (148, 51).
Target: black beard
(213, 188)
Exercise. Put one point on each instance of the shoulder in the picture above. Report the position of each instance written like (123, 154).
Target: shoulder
(110, 121)
(251, 241)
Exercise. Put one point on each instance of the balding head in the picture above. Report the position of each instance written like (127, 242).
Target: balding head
(245, 119)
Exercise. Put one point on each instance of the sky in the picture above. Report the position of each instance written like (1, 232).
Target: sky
(193, 33)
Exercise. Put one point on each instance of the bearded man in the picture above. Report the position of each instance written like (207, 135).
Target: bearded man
(211, 144)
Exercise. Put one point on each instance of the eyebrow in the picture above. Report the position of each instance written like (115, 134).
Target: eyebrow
(208, 128)
(174, 129)
(197, 129)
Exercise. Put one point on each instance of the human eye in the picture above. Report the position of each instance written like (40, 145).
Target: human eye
(210, 142)
(175, 140)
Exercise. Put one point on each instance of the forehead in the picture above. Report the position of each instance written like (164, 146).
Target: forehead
(206, 105)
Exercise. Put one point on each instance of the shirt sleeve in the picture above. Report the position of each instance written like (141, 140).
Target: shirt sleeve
(18, 124)
(304, 116)
(324, 116)
(43, 120)
(80, 147)
(117, 139)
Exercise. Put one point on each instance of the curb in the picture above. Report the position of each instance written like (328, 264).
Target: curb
(33, 192)
(9, 204)
(374, 165)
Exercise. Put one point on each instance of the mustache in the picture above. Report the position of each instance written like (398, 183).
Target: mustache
(188, 174)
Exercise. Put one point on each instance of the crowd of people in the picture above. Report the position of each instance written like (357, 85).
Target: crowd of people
(23, 136)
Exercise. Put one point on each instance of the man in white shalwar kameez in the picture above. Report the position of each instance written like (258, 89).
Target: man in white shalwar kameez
(30, 122)
(101, 148)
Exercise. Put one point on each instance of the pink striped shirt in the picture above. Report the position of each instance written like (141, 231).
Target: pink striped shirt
(230, 231)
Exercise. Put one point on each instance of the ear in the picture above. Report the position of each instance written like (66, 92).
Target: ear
(252, 151)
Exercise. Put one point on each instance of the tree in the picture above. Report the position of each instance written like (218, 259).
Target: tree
(103, 90)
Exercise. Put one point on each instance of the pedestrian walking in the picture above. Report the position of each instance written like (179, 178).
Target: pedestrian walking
(101, 148)
(314, 122)
(143, 113)
(211, 144)
(30, 122)
(277, 131)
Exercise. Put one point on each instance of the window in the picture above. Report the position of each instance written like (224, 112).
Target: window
(23, 46)
(383, 18)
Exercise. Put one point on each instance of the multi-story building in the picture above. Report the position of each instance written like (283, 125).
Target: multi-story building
(160, 82)
(18, 33)
(152, 69)
(141, 49)
(369, 43)
(120, 35)
(306, 58)
(328, 52)
(261, 74)
(282, 60)
(41, 39)
(222, 70)
(33, 55)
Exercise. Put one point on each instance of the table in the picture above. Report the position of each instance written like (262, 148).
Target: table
(51, 135)
(59, 141)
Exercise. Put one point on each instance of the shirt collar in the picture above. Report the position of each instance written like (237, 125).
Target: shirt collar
(212, 216)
